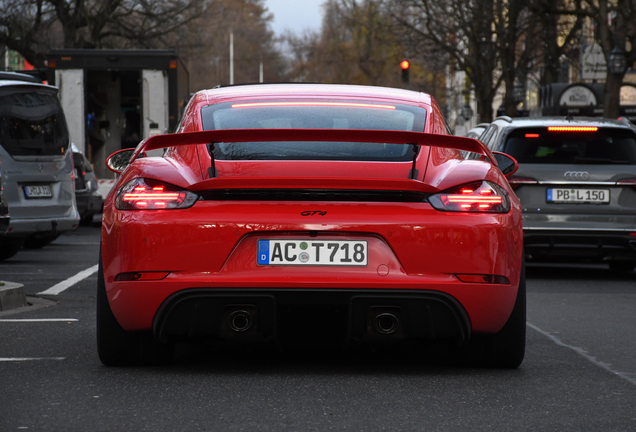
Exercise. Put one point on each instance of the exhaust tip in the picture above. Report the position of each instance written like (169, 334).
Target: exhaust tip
(240, 320)
(385, 323)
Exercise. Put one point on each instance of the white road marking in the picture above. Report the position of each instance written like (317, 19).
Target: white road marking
(30, 320)
(58, 288)
(21, 359)
(583, 353)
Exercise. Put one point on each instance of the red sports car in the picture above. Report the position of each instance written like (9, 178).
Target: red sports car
(311, 214)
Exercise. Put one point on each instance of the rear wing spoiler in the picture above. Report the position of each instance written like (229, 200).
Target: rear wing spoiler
(346, 135)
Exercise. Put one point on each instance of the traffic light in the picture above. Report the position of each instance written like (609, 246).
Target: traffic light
(404, 64)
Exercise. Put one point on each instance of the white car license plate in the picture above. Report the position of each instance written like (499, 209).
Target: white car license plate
(313, 252)
(593, 196)
(38, 191)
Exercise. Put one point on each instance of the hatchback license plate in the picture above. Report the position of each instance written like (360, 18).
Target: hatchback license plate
(38, 191)
(578, 196)
(313, 252)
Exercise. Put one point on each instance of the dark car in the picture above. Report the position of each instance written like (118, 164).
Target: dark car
(89, 200)
(577, 186)
(4, 209)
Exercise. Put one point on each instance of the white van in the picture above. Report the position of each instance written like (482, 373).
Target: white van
(37, 164)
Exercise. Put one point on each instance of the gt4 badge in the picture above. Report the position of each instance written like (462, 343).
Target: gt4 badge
(313, 213)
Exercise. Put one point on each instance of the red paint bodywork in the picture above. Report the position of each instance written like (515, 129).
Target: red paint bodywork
(213, 244)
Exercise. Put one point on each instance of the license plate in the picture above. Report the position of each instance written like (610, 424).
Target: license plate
(38, 191)
(577, 196)
(313, 252)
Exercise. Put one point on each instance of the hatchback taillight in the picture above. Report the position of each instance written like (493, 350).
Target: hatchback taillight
(516, 182)
(147, 194)
(627, 182)
(486, 197)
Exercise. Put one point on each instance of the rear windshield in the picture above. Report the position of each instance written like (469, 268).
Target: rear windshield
(539, 146)
(32, 123)
(323, 114)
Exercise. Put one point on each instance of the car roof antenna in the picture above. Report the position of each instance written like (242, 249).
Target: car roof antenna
(212, 173)
(414, 172)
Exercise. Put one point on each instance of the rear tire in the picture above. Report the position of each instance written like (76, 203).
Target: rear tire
(622, 266)
(506, 349)
(36, 242)
(116, 346)
(10, 247)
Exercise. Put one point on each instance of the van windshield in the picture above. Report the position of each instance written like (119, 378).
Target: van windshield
(604, 146)
(32, 123)
(313, 114)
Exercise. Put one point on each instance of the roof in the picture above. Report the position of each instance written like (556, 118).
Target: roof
(563, 121)
(322, 90)
(13, 83)
(15, 76)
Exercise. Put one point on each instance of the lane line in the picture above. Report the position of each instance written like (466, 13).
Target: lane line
(65, 284)
(31, 320)
(583, 353)
(20, 359)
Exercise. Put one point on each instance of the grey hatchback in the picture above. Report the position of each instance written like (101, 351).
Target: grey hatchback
(37, 164)
(577, 186)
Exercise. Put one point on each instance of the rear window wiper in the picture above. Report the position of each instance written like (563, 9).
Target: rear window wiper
(584, 160)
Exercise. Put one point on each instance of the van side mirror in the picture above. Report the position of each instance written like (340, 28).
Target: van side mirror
(118, 161)
(506, 163)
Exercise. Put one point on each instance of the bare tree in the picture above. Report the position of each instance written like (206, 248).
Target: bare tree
(560, 34)
(461, 31)
(26, 26)
(615, 25)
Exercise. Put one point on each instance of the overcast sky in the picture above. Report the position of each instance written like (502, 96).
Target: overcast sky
(295, 15)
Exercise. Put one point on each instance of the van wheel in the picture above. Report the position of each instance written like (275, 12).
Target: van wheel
(9, 247)
(505, 349)
(622, 266)
(38, 242)
(116, 346)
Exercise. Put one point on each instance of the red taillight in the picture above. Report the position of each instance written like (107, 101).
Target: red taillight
(532, 135)
(480, 278)
(140, 276)
(572, 128)
(474, 197)
(147, 194)
(627, 182)
(516, 182)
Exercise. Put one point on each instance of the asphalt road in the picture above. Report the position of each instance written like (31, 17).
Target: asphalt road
(579, 373)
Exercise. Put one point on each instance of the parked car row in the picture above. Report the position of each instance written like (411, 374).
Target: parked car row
(39, 179)
(577, 185)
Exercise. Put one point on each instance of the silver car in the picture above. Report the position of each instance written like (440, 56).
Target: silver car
(577, 186)
(37, 164)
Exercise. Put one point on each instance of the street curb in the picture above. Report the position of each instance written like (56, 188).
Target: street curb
(11, 295)
(34, 303)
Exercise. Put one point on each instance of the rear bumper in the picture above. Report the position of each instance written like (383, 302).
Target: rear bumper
(335, 315)
(27, 227)
(574, 244)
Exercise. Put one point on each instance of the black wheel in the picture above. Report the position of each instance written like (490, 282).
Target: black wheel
(9, 247)
(116, 346)
(505, 349)
(622, 266)
(38, 242)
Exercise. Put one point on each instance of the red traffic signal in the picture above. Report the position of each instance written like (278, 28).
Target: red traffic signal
(404, 64)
